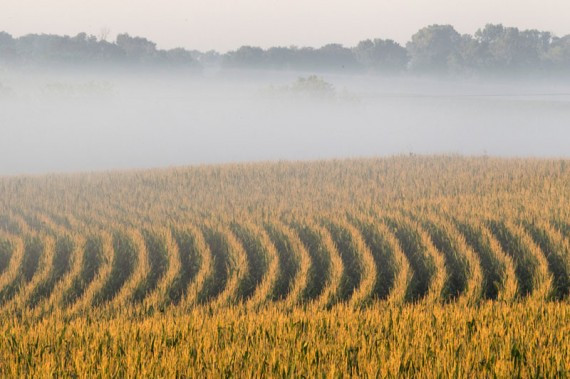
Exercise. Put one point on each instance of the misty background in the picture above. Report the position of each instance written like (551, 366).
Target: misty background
(88, 103)
(224, 25)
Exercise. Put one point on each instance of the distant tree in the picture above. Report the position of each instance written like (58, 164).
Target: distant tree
(337, 57)
(245, 56)
(282, 57)
(507, 49)
(314, 86)
(305, 58)
(208, 58)
(381, 55)
(435, 49)
(558, 55)
(8, 51)
(177, 57)
(136, 48)
(104, 34)
(473, 56)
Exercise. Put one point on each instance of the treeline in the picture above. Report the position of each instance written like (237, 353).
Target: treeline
(53, 50)
(435, 50)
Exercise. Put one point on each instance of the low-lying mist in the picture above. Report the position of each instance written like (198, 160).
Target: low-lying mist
(65, 122)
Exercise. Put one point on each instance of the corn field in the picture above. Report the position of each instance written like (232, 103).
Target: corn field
(404, 266)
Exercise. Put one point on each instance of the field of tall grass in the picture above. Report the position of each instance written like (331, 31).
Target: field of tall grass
(411, 265)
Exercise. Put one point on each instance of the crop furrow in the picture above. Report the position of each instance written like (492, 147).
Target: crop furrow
(126, 256)
(352, 264)
(13, 223)
(42, 252)
(530, 265)
(87, 268)
(102, 264)
(393, 272)
(326, 269)
(262, 260)
(14, 247)
(294, 264)
(28, 266)
(157, 257)
(160, 296)
(428, 277)
(355, 253)
(8, 225)
(499, 278)
(141, 270)
(464, 273)
(6, 253)
(557, 254)
(217, 281)
(563, 227)
(256, 259)
(229, 284)
(60, 266)
(195, 266)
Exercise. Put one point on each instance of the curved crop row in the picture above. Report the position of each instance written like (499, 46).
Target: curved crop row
(263, 261)
(563, 227)
(353, 259)
(22, 273)
(14, 224)
(557, 254)
(326, 264)
(157, 255)
(13, 248)
(196, 266)
(97, 264)
(359, 267)
(169, 250)
(125, 257)
(228, 284)
(499, 278)
(530, 265)
(42, 250)
(61, 263)
(125, 295)
(428, 270)
(464, 274)
(393, 271)
(294, 263)
(352, 266)
(319, 272)
(6, 253)
(9, 225)
(63, 279)
(257, 260)
(87, 267)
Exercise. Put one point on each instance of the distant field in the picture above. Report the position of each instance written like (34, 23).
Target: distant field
(372, 267)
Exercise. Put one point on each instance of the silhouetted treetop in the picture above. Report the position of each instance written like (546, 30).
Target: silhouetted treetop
(83, 49)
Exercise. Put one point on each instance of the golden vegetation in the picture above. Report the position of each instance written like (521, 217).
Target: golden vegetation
(387, 267)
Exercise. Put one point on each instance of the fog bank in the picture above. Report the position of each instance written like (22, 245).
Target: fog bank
(66, 122)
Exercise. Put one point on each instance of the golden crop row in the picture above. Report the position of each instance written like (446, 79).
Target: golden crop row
(399, 266)
(528, 339)
(353, 258)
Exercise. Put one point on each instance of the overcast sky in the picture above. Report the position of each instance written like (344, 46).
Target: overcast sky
(227, 24)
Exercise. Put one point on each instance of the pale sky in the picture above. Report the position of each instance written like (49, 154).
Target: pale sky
(227, 24)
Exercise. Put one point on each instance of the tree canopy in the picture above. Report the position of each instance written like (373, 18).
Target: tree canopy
(433, 50)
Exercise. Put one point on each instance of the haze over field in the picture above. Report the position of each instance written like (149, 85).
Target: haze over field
(85, 121)
(98, 100)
